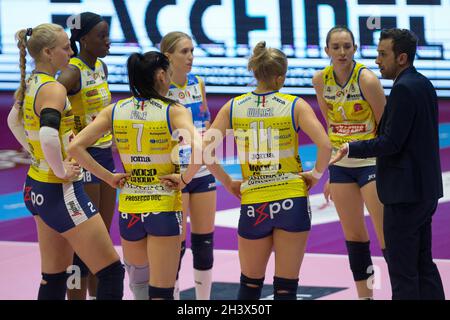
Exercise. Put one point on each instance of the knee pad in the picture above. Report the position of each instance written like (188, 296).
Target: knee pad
(202, 250)
(138, 280)
(360, 260)
(160, 293)
(55, 286)
(285, 289)
(252, 292)
(182, 252)
(110, 282)
(84, 270)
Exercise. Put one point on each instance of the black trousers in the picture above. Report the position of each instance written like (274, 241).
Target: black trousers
(407, 232)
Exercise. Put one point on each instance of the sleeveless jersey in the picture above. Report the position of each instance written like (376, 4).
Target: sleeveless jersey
(143, 137)
(40, 169)
(93, 96)
(190, 95)
(267, 144)
(350, 116)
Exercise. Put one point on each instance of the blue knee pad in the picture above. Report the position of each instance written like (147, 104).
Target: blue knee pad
(110, 282)
(202, 250)
(160, 293)
(84, 270)
(182, 252)
(360, 260)
(250, 292)
(285, 289)
(55, 287)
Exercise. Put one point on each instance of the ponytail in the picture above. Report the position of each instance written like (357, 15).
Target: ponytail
(21, 38)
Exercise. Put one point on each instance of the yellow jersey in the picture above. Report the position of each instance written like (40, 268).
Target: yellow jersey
(93, 96)
(350, 116)
(40, 169)
(143, 136)
(267, 145)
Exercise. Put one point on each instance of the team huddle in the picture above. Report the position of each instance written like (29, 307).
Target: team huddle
(63, 116)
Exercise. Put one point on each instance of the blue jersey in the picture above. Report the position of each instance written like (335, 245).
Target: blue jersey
(191, 96)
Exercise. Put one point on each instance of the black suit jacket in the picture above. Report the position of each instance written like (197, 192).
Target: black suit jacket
(407, 145)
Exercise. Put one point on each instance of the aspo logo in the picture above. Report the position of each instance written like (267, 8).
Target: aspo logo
(10, 158)
(274, 208)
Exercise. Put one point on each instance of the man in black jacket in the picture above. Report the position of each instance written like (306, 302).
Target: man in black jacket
(409, 178)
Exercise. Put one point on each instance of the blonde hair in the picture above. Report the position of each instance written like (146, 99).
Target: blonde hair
(267, 63)
(34, 40)
(170, 41)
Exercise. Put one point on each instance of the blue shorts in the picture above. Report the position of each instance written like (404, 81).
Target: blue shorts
(103, 157)
(134, 227)
(62, 206)
(258, 220)
(359, 175)
(202, 184)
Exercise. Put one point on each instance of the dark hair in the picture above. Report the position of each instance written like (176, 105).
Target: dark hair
(339, 28)
(88, 20)
(403, 41)
(142, 69)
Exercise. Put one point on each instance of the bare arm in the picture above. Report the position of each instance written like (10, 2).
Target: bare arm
(70, 79)
(212, 139)
(205, 104)
(85, 138)
(308, 122)
(373, 92)
(317, 82)
(181, 119)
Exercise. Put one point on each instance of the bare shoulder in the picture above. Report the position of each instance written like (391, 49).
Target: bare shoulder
(54, 90)
(317, 79)
(368, 77)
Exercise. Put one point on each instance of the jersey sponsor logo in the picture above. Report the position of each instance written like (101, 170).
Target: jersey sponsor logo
(139, 159)
(155, 104)
(346, 129)
(243, 100)
(181, 95)
(257, 112)
(265, 168)
(354, 97)
(279, 100)
(91, 93)
(273, 208)
(154, 188)
(143, 175)
(330, 98)
(260, 156)
(138, 115)
(89, 82)
(153, 141)
(148, 197)
(357, 107)
(282, 136)
(196, 97)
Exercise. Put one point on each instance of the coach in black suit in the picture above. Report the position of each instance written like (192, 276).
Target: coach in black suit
(409, 179)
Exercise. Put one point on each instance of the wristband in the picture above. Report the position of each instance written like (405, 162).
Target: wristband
(316, 174)
(182, 180)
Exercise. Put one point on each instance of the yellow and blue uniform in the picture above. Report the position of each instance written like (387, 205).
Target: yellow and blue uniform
(60, 203)
(92, 97)
(191, 96)
(273, 193)
(143, 137)
(350, 118)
